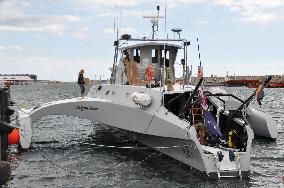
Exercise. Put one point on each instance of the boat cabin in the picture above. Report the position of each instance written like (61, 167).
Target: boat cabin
(137, 59)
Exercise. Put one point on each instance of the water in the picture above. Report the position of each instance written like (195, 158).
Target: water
(67, 152)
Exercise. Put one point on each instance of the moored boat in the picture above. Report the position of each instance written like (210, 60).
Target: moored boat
(181, 121)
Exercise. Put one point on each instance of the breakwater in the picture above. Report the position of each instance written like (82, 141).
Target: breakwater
(222, 80)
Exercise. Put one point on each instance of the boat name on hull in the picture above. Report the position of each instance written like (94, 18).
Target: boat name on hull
(82, 108)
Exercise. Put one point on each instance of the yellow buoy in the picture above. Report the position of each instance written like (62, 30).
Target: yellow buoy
(230, 143)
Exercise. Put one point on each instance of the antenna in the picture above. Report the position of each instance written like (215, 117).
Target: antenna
(177, 30)
(155, 22)
(166, 16)
(158, 9)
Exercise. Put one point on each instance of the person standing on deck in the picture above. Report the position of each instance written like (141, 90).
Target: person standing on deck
(81, 82)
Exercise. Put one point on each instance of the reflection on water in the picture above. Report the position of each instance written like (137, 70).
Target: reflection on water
(70, 152)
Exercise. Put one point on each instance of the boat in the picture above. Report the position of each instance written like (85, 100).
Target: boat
(240, 82)
(144, 100)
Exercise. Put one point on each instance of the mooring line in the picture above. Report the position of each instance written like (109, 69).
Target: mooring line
(151, 120)
(132, 147)
(44, 154)
(48, 160)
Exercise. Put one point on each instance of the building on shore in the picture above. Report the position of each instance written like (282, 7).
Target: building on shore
(18, 79)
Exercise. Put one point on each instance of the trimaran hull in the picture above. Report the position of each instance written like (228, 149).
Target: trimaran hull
(153, 126)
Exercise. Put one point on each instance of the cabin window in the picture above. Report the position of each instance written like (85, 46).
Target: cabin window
(155, 55)
(126, 55)
(136, 55)
(163, 54)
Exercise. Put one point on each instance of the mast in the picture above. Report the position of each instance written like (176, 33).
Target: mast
(155, 22)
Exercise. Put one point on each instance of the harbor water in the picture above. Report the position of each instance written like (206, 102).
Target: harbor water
(71, 152)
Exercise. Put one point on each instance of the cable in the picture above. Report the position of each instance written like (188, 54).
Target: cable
(48, 160)
(151, 120)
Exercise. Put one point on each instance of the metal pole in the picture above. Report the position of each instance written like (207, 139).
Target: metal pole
(3, 118)
(164, 66)
(184, 66)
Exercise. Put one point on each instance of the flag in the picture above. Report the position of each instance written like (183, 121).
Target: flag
(200, 72)
(202, 98)
(212, 127)
(259, 94)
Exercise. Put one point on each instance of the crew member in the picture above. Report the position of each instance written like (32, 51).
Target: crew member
(81, 82)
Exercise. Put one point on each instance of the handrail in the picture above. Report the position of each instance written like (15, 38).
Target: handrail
(221, 95)
(188, 102)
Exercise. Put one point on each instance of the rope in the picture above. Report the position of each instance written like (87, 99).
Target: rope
(131, 147)
(44, 154)
(48, 160)
(151, 120)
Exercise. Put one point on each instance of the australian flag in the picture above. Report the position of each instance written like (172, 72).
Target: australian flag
(212, 127)
(202, 98)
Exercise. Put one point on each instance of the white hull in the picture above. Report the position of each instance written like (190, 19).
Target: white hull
(262, 124)
(154, 125)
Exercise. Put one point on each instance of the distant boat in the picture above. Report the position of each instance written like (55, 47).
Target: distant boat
(241, 82)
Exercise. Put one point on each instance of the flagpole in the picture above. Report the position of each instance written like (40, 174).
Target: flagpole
(250, 98)
(200, 69)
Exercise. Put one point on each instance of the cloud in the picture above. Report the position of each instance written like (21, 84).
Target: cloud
(81, 33)
(255, 11)
(200, 22)
(126, 13)
(9, 8)
(11, 47)
(122, 30)
(111, 3)
(13, 19)
(260, 18)
(176, 3)
(50, 24)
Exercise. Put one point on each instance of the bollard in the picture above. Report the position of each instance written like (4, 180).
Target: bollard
(5, 128)
(5, 172)
(3, 131)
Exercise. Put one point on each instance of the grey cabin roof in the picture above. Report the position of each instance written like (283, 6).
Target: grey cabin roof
(150, 44)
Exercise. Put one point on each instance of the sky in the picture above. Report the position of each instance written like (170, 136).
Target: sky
(54, 39)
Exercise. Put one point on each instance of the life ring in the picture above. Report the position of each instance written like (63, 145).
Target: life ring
(149, 72)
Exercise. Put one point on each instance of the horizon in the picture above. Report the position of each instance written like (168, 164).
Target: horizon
(55, 40)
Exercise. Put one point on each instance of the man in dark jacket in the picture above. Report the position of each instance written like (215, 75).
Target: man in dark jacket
(81, 82)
